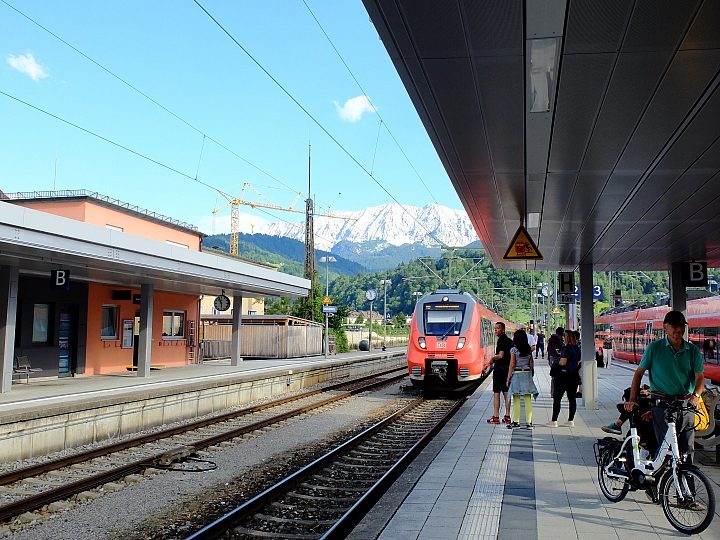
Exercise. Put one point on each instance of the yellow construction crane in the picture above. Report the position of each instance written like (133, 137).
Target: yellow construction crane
(235, 202)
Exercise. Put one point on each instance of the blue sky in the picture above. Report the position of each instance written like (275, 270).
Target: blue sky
(173, 52)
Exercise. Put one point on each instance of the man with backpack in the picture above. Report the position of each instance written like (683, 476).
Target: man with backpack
(554, 348)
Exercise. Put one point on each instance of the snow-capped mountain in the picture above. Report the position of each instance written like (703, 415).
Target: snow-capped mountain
(390, 223)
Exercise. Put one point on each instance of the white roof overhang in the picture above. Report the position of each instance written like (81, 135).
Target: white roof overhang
(38, 242)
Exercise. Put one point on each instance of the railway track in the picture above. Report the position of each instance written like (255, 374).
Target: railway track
(30, 488)
(327, 498)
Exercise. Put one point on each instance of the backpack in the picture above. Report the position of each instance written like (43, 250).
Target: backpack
(554, 345)
(572, 353)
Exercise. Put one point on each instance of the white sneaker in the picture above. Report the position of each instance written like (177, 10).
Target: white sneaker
(552, 423)
(569, 423)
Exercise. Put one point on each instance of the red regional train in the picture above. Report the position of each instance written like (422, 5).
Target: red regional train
(632, 331)
(451, 342)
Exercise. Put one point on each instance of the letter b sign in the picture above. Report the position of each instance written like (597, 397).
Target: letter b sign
(694, 274)
(60, 280)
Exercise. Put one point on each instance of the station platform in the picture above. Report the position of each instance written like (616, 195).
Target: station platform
(482, 481)
(52, 414)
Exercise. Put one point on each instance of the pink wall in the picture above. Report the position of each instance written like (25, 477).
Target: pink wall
(101, 216)
(108, 356)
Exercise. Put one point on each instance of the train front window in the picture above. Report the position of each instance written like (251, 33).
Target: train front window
(443, 319)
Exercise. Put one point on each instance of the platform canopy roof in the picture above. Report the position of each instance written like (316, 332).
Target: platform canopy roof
(37, 242)
(596, 123)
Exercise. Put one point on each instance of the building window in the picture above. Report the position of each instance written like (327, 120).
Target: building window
(173, 324)
(109, 329)
(41, 318)
(252, 312)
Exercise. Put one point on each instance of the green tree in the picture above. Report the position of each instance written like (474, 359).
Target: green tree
(360, 319)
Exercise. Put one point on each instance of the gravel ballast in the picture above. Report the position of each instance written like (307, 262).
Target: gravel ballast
(170, 502)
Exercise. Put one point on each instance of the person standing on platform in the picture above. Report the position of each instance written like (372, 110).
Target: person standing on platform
(555, 344)
(677, 372)
(540, 343)
(501, 362)
(607, 349)
(567, 380)
(520, 379)
(530, 338)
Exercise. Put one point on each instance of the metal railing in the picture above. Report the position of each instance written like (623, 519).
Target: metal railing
(69, 193)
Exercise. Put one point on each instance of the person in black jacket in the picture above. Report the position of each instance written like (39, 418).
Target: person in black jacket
(566, 381)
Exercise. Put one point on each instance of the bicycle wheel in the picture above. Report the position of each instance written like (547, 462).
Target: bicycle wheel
(613, 488)
(693, 512)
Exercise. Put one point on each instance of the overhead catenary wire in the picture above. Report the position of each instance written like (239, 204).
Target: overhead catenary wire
(156, 162)
(317, 122)
(146, 96)
(387, 128)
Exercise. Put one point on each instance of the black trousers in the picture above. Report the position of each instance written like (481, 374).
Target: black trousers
(565, 383)
(685, 427)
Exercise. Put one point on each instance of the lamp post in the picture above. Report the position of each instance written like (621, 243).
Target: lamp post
(327, 260)
(385, 283)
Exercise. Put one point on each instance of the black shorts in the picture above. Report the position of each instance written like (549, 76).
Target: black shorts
(500, 374)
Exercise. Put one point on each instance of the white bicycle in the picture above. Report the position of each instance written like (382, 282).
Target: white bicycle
(684, 491)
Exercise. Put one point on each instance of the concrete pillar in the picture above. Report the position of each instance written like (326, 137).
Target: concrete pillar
(9, 276)
(146, 330)
(587, 336)
(678, 294)
(235, 354)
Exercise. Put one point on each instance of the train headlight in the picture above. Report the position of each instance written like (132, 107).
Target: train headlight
(460, 343)
(421, 342)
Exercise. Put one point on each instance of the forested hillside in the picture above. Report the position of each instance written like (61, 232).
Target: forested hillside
(512, 293)
(280, 251)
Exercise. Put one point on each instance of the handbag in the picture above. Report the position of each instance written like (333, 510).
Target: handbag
(702, 420)
(555, 369)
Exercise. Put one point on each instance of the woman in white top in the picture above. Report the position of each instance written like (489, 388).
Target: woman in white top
(520, 379)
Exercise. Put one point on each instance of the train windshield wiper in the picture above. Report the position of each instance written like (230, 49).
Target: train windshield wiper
(445, 335)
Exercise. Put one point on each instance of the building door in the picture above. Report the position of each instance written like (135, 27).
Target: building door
(136, 338)
(67, 340)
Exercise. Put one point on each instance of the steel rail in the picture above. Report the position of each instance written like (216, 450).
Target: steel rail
(34, 502)
(359, 509)
(354, 515)
(34, 470)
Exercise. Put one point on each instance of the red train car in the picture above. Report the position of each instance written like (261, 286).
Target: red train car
(633, 330)
(451, 341)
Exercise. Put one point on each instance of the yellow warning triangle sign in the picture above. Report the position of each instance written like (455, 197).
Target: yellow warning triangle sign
(522, 247)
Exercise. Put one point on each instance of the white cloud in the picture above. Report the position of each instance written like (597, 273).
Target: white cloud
(222, 223)
(26, 64)
(354, 108)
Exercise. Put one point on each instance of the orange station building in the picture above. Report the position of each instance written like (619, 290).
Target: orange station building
(91, 285)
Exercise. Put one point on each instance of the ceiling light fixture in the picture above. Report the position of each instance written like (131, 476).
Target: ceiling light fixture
(542, 58)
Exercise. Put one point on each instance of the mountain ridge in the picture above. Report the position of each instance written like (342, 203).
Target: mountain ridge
(432, 225)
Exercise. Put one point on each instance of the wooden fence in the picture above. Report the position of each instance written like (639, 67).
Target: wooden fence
(263, 341)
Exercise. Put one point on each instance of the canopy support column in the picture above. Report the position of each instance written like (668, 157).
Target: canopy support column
(9, 276)
(145, 338)
(587, 336)
(235, 355)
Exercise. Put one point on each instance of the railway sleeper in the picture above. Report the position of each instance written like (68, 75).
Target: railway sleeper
(333, 488)
(294, 507)
(276, 519)
(364, 461)
(296, 495)
(268, 534)
(360, 481)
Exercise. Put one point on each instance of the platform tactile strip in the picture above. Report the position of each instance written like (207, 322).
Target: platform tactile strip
(482, 518)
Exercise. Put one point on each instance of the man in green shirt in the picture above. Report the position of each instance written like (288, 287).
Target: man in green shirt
(676, 370)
